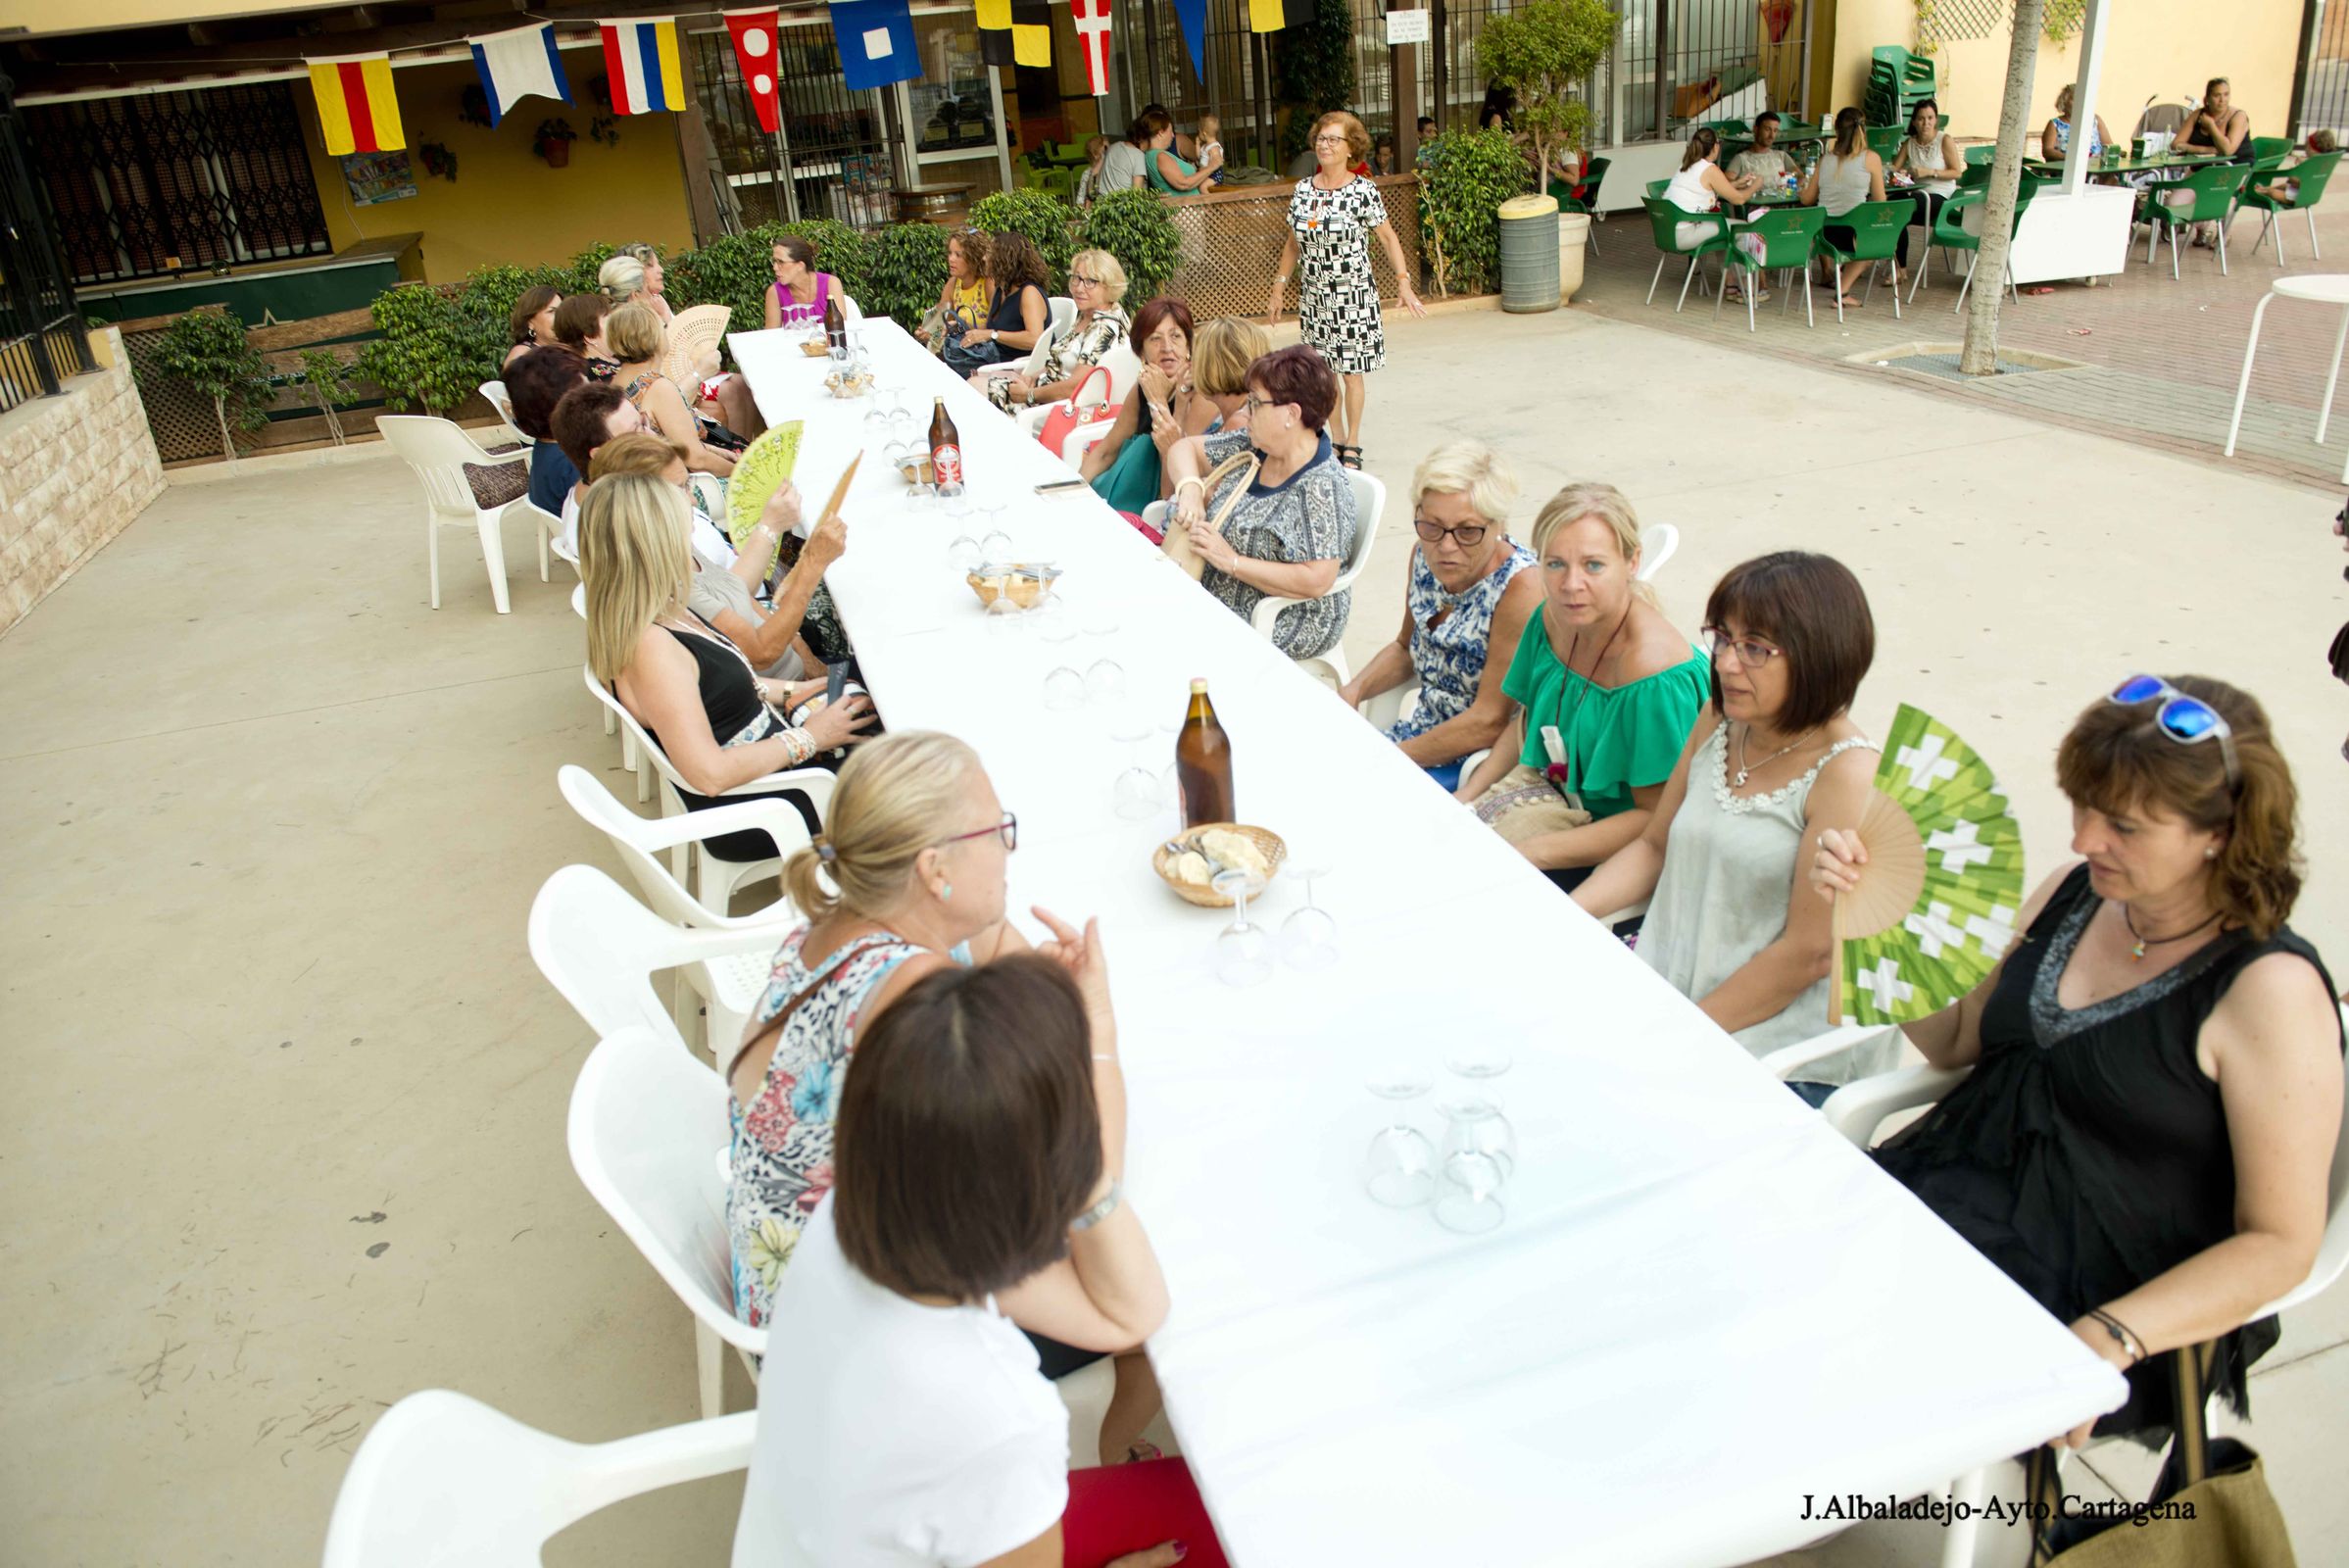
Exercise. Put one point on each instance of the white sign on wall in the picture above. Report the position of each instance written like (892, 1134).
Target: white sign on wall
(1408, 26)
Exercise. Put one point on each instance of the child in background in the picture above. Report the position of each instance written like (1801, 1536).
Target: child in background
(1210, 144)
(2288, 190)
(1382, 155)
(1089, 184)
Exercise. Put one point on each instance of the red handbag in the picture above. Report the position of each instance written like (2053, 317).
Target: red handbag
(1067, 416)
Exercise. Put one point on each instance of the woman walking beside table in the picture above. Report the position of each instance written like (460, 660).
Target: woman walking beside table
(1332, 216)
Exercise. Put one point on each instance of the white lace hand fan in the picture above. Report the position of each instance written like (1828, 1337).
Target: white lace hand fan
(1936, 904)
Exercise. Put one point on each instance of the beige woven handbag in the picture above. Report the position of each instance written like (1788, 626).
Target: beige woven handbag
(1177, 544)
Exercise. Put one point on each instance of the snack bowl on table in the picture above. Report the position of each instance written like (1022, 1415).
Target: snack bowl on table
(1025, 582)
(848, 384)
(816, 347)
(1166, 858)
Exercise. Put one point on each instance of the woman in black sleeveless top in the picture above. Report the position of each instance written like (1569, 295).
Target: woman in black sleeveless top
(2145, 1141)
(694, 692)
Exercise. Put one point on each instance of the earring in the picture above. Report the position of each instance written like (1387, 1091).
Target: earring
(945, 892)
(2210, 852)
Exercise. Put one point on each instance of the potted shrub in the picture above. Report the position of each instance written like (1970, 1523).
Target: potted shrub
(1545, 51)
(553, 142)
(207, 348)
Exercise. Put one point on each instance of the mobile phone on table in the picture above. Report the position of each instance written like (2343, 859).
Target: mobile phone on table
(836, 677)
(1061, 487)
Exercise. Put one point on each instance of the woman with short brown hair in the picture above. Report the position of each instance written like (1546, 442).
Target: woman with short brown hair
(531, 323)
(2144, 1140)
(1332, 216)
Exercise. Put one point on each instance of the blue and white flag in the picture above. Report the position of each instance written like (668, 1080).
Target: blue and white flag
(514, 65)
(876, 42)
(1193, 14)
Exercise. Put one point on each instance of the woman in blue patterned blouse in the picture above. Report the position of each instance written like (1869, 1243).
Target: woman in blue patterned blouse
(1468, 591)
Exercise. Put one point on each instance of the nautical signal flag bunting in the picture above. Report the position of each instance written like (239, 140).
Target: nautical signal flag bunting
(517, 63)
(1093, 38)
(640, 55)
(356, 112)
(1015, 32)
(876, 42)
(755, 48)
(1271, 16)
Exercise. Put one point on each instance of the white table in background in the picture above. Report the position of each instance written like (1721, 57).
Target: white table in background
(1704, 1305)
(2323, 288)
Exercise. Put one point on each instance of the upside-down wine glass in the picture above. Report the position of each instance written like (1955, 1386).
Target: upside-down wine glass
(1242, 950)
(1400, 1171)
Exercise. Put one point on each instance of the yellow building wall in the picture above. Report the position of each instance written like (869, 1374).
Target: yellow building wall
(2166, 48)
(37, 17)
(506, 205)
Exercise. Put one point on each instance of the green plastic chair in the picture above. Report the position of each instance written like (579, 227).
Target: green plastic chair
(2213, 191)
(1664, 220)
(1876, 229)
(1982, 157)
(1906, 69)
(1593, 173)
(2269, 149)
(1788, 235)
(1951, 233)
(1885, 141)
(2313, 174)
(1657, 187)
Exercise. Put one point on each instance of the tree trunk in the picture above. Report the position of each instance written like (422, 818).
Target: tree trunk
(220, 411)
(1980, 354)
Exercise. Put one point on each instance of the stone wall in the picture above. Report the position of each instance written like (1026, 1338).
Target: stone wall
(74, 470)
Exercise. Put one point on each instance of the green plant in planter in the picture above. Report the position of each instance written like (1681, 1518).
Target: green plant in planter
(552, 140)
(1043, 219)
(1465, 177)
(328, 380)
(905, 268)
(579, 274)
(1133, 227)
(1545, 50)
(485, 311)
(208, 350)
(424, 358)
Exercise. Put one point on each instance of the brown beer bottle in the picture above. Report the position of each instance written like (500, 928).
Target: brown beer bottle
(835, 326)
(1204, 764)
(946, 451)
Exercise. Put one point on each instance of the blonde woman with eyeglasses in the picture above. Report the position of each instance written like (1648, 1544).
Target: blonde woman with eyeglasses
(695, 693)
(1097, 282)
(1606, 692)
(1466, 591)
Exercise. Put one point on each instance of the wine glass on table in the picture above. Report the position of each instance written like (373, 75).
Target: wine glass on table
(1309, 935)
(1242, 949)
(1401, 1172)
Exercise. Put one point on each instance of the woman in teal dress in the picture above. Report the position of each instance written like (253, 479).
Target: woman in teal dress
(1202, 378)
(1601, 670)
(1169, 173)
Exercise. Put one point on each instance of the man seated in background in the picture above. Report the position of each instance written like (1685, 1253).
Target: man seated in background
(1765, 158)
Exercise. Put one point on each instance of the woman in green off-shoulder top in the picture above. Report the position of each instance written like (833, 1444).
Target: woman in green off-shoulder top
(1601, 667)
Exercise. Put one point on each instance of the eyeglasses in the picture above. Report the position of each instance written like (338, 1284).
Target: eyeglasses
(1254, 403)
(1467, 533)
(1007, 830)
(1329, 141)
(1751, 652)
(1075, 279)
(2187, 721)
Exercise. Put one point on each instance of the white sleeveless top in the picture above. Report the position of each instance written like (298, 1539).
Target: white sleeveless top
(1688, 191)
(1729, 872)
(1932, 176)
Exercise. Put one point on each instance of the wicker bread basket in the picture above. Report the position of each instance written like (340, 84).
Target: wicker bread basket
(1267, 842)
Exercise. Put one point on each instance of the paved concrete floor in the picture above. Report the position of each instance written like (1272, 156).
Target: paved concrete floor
(286, 1136)
(2151, 358)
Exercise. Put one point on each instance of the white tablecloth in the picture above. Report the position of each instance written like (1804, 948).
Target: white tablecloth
(1703, 1305)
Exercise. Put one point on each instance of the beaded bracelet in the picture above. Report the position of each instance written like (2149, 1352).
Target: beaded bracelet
(2123, 1335)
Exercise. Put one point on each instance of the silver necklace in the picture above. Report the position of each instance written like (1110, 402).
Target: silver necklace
(1745, 768)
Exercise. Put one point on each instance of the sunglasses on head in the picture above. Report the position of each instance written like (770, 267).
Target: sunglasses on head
(2187, 721)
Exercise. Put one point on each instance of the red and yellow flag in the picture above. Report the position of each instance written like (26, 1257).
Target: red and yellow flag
(357, 111)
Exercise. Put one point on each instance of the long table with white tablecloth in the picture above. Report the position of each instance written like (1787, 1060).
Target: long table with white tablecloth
(1703, 1304)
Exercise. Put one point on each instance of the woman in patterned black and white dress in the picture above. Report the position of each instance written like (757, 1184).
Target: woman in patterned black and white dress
(1331, 221)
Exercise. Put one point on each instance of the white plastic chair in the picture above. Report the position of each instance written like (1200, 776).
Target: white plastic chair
(494, 394)
(612, 725)
(439, 451)
(649, 1131)
(1857, 1109)
(443, 1480)
(728, 987)
(550, 528)
(713, 880)
(601, 949)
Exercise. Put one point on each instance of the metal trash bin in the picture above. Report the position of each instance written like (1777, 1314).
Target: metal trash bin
(1529, 254)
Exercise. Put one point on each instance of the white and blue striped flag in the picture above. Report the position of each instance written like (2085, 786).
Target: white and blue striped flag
(514, 65)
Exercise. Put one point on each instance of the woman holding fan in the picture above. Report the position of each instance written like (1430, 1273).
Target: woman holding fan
(2144, 1140)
